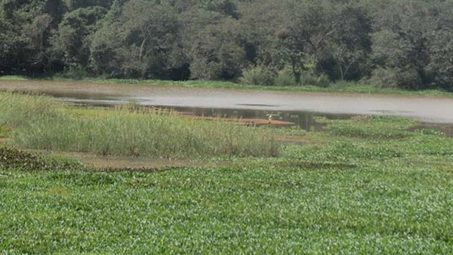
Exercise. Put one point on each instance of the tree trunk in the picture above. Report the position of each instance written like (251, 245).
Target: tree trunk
(142, 47)
(297, 74)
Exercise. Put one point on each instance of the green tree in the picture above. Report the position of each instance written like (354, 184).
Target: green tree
(216, 52)
(309, 28)
(72, 41)
(393, 42)
(76, 4)
(225, 7)
(350, 44)
(146, 42)
(12, 45)
(28, 27)
(259, 25)
(401, 44)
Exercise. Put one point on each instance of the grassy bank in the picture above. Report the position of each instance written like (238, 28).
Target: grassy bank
(361, 186)
(42, 123)
(339, 87)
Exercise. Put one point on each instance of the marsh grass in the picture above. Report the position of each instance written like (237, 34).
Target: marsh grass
(375, 127)
(41, 123)
(344, 192)
(19, 110)
(361, 141)
(3, 132)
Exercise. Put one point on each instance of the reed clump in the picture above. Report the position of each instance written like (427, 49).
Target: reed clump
(41, 123)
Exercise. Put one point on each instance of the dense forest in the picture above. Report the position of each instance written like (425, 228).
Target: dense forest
(392, 43)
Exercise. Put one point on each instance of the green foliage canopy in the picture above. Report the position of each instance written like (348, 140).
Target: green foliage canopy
(391, 43)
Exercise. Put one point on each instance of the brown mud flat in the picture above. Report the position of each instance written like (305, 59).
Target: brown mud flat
(245, 122)
(241, 121)
(446, 129)
(116, 163)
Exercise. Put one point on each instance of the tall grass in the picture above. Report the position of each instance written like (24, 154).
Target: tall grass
(41, 123)
(3, 132)
(19, 110)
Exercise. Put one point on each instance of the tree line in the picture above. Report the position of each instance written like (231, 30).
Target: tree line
(391, 43)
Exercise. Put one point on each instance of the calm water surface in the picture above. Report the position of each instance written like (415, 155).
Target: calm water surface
(305, 120)
(294, 109)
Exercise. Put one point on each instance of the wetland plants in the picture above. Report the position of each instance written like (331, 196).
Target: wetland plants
(41, 123)
(369, 185)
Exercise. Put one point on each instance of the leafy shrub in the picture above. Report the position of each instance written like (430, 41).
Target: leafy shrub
(285, 77)
(261, 75)
(75, 72)
(393, 78)
(320, 80)
(384, 78)
(258, 75)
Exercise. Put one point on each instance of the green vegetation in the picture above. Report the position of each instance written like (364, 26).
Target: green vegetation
(42, 123)
(17, 159)
(379, 128)
(392, 44)
(366, 185)
(13, 78)
(3, 132)
(339, 87)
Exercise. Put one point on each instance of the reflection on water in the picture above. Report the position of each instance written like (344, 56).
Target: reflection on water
(305, 120)
(88, 99)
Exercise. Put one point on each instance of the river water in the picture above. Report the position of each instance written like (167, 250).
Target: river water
(295, 109)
